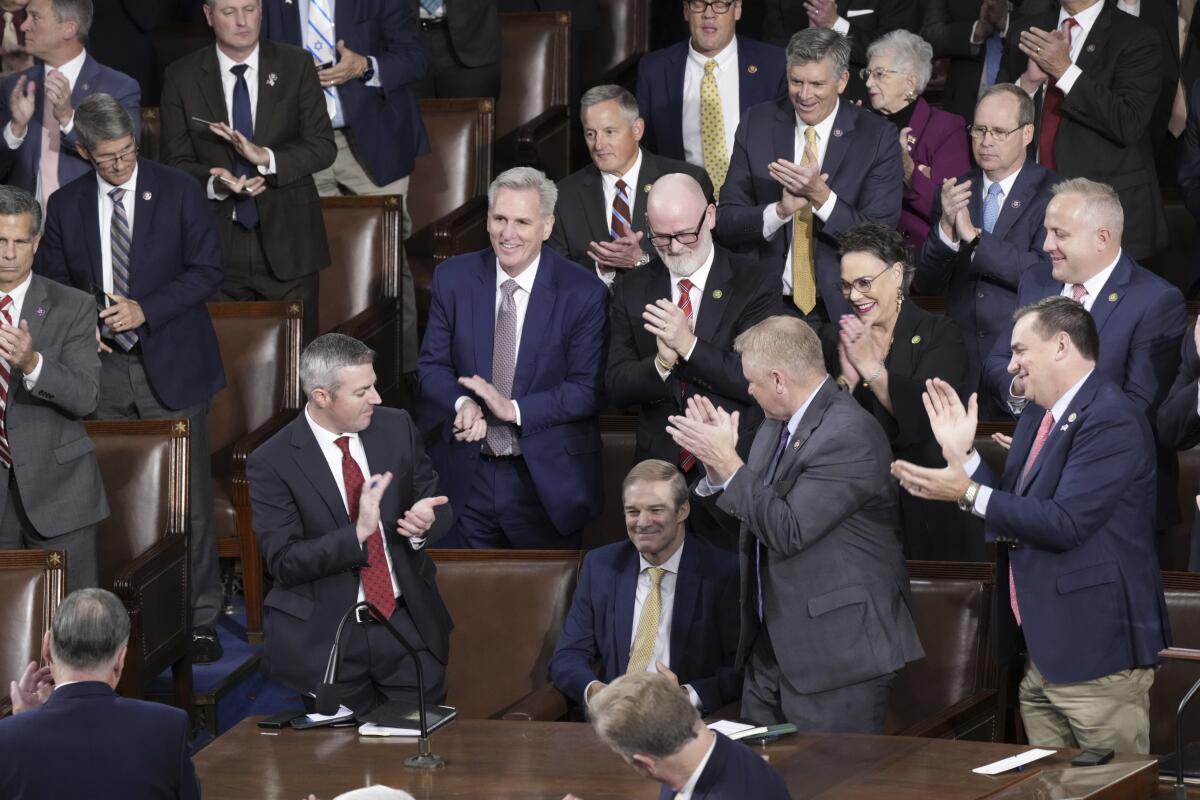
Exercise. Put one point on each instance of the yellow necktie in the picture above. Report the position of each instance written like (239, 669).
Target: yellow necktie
(804, 276)
(712, 128)
(647, 629)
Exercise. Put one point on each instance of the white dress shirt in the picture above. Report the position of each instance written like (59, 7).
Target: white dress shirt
(1132, 7)
(609, 182)
(14, 312)
(1085, 19)
(689, 788)
(728, 81)
(70, 70)
(105, 205)
(1006, 185)
(339, 118)
(228, 83)
(698, 278)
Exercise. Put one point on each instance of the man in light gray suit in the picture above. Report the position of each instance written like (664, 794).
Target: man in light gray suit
(50, 487)
(825, 597)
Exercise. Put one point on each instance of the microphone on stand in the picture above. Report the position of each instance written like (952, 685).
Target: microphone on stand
(1180, 786)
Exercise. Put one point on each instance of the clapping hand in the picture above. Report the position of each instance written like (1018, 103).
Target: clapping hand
(710, 434)
(624, 252)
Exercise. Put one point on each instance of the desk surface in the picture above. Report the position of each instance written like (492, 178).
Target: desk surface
(546, 760)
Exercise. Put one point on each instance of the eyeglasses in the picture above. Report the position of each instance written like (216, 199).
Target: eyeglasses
(977, 132)
(687, 237)
(866, 74)
(863, 285)
(700, 6)
(125, 155)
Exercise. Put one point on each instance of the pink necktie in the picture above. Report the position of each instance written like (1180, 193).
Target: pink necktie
(51, 144)
(1039, 442)
(1078, 292)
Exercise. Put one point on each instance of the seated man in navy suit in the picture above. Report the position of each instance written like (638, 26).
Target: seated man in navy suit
(661, 602)
(1077, 578)
(72, 736)
(692, 94)
(647, 722)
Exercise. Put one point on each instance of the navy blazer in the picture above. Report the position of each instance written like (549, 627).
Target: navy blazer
(175, 266)
(734, 772)
(85, 741)
(762, 76)
(598, 629)
(559, 380)
(864, 168)
(388, 132)
(20, 167)
(1084, 563)
(1178, 425)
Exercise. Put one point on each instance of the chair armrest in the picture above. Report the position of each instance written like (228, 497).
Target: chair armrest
(168, 552)
(5, 707)
(546, 704)
(154, 589)
(540, 126)
(966, 713)
(244, 446)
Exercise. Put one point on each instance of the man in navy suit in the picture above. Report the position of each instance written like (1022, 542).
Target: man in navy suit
(1077, 575)
(140, 236)
(67, 713)
(511, 378)
(990, 230)
(670, 85)
(660, 602)
(646, 720)
(1179, 422)
(38, 104)
(811, 164)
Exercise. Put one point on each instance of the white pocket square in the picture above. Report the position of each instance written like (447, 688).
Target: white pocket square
(859, 12)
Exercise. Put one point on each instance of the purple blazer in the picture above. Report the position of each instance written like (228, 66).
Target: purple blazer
(941, 145)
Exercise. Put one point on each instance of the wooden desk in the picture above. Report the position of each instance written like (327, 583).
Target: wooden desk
(546, 760)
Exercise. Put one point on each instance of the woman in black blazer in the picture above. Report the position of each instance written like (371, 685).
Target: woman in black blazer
(886, 350)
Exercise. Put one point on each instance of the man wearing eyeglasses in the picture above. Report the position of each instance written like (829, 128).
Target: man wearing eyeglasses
(140, 238)
(990, 230)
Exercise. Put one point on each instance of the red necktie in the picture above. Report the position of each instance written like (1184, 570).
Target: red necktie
(686, 459)
(5, 376)
(620, 212)
(1050, 110)
(376, 582)
(1039, 441)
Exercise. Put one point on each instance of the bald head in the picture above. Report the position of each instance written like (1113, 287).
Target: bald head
(681, 221)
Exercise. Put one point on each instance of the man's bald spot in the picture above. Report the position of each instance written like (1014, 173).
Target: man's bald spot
(676, 195)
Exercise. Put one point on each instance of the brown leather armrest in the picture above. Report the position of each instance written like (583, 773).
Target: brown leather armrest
(971, 710)
(246, 445)
(168, 553)
(546, 704)
(542, 125)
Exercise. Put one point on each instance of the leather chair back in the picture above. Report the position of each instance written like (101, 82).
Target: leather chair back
(364, 248)
(32, 584)
(610, 55)
(1179, 536)
(1178, 261)
(618, 443)
(460, 166)
(1175, 677)
(508, 609)
(535, 67)
(151, 143)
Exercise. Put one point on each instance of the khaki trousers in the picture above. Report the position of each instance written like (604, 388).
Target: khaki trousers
(1108, 712)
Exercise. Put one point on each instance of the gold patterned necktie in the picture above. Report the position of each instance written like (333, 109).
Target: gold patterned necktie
(804, 277)
(647, 629)
(712, 128)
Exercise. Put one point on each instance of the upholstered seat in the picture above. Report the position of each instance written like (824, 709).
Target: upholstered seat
(611, 55)
(532, 125)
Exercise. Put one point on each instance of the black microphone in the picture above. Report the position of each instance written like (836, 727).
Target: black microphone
(327, 696)
(1180, 787)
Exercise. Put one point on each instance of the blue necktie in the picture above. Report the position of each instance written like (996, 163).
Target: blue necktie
(784, 436)
(245, 207)
(432, 7)
(993, 49)
(991, 207)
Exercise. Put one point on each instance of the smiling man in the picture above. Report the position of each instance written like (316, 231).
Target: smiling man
(660, 602)
(511, 378)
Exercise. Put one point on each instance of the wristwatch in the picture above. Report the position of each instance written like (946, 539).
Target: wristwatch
(967, 501)
(644, 260)
(975, 242)
(368, 73)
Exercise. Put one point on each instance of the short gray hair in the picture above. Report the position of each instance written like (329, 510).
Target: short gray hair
(88, 629)
(643, 713)
(100, 118)
(1101, 204)
(785, 343)
(77, 11)
(526, 178)
(913, 55)
(328, 355)
(1025, 109)
(610, 91)
(15, 201)
(814, 44)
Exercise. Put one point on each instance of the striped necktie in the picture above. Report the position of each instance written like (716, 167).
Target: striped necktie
(121, 246)
(319, 40)
(620, 211)
(5, 377)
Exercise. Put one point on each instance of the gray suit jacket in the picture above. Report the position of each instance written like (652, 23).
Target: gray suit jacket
(53, 458)
(835, 585)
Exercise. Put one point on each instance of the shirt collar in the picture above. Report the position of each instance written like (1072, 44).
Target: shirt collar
(1006, 184)
(226, 63)
(700, 277)
(1095, 284)
(71, 69)
(524, 280)
(724, 58)
(1064, 402)
(630, 177)
(129, 185)
(794, 422)
(1086, 18)
(18, 294)
(688, 788)
(325, 438)
(671, 565)
(824, 127)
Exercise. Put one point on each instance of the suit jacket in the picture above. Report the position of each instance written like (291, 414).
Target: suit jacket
(941, 145)
(599, 627)
(581, 216)
(558, 382)
(1189, 175)
(980, 286)
(864, 168)
(835, 586)
(1104, 130)
(1083, 556)
(738, 293)
(51, 450)
(131, 748)
(291, 120)
(735, 771)
(1163, 17)
(175, 266)
(120, 37)
(1178, 425)
(762, 76)
(311, 549)
(474, 28)
(20, 167)
(388, 132)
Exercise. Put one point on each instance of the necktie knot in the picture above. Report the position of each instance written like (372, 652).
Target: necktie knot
(995, 189)
(656, 575)
(710, 66)
(509, 287)
(343, 443)
(5, 303)
(239, 70)
(621, 186)
(810, 137)
(1078, 292)
(117, 195)
(685, 286)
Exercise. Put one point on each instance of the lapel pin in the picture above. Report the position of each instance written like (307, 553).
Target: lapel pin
(147, 196)
(1091, 48)
(86, 88)
(1073, 417)
(1064, 427)
(647, 187)
(1112, 298)
(271, 79)
(718, 294)
(1016, 203)
(795, 445)
(916, 339)
(837, 132)
(41, 312)
(752, 69)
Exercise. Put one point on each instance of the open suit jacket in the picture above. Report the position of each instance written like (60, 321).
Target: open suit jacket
(735, 771)
(864, 168)
(1179, 423)
(762, 76)
(20, 167)
(291, 119)
(388, 132)
(1080, 541)
(559, 379)
(599, 627)
(941, 144)
(834, 581)
(117, 748)
(312, 552)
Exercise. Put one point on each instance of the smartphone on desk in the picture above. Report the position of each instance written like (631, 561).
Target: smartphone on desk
(1092, 757)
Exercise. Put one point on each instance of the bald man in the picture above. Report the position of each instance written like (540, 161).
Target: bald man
(674, 321)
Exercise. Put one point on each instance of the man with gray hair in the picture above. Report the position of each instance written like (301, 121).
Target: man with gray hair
(600, 218)
(825, 598)
(68, 713)
(37, 105)
(805, 168)
(511, 379)
(344, 500)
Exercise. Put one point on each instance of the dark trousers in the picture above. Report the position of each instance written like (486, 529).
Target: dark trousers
(248, 276)
(505, 512)
(126, 393)
(449, 77)
(18, 533)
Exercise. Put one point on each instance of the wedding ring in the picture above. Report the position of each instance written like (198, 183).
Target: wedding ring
(1039, 51)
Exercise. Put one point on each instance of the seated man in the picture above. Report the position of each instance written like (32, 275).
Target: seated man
(72, 736)
(661, 602)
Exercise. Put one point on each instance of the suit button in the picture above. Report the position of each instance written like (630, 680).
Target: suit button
(980, 295)
(982, 335)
